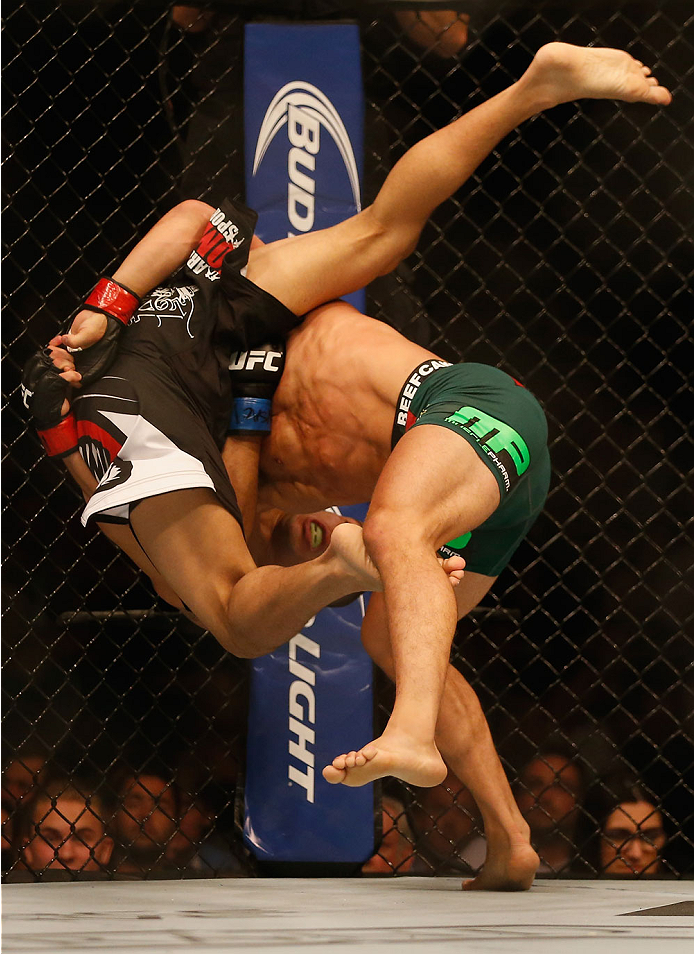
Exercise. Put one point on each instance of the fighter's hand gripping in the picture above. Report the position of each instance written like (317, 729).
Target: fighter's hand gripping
(94, 332)
(44, 392)
(254, 378)
(79, 356)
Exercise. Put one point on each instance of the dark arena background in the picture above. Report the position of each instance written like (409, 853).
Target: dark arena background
(567, 260)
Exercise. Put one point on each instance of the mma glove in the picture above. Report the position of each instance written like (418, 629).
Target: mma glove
(44, 391)
(118, 304)
(254, 378)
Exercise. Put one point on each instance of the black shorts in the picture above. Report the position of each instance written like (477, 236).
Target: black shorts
(141, 436)
(157, 422)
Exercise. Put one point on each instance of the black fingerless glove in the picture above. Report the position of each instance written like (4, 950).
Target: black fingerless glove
(43, 393)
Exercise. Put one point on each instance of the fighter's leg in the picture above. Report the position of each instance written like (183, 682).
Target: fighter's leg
(198, 548)
(433, 488)
(465, 742)
(333, 262)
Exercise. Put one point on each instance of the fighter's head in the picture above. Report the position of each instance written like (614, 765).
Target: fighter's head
(300, 537)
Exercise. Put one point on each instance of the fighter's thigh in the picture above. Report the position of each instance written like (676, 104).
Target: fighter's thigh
(307, 270)
(434, 485)
(196, 545)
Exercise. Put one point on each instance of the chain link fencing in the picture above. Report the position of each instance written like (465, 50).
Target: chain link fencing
(567, 260)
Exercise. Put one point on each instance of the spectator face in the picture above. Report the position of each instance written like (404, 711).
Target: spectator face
(20, 778)
(68, 836)
(549, 792)
(632, 840)
(146, 817)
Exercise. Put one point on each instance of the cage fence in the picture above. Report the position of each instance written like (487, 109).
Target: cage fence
(567, 260)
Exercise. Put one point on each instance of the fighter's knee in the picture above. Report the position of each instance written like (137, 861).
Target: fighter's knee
(242, 649)
(386, 241)
(375, 532)
(387, 531)
(233, 638)
(215, 614)
(234, 641)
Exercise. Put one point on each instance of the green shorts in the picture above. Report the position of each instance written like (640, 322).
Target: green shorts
(506, 426)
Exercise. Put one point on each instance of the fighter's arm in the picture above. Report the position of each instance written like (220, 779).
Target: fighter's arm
(161, 252)
(83, 354)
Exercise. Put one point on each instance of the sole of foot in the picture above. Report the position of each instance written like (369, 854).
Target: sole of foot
(569, 72)
(379, 759)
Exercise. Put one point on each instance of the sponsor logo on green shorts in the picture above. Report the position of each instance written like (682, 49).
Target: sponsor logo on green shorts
(501, 443)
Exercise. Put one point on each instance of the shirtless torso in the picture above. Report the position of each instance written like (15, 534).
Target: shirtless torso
(333, 411)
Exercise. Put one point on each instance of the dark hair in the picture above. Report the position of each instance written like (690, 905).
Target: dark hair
(617, 789)
(124, 773)
(56, 786)
(564, 749)
(606, 796)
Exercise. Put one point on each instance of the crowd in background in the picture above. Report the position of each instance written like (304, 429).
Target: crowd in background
(144, 822)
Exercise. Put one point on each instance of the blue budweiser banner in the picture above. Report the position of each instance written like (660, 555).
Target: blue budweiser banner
(304, 135)
(310, 701)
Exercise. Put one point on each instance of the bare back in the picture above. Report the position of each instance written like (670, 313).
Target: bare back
(333, 411)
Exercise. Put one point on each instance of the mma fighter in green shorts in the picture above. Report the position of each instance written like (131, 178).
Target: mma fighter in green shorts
(452, 457)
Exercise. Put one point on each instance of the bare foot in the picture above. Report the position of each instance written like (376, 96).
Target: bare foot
(418, 765)
(347, 546)
(565, 73)
(506, 869)
(455, 568)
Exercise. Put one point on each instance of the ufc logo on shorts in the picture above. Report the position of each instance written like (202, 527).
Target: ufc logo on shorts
(250, 360)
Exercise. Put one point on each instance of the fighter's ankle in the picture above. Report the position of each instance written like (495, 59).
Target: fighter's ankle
(534, 94)
(507, 836)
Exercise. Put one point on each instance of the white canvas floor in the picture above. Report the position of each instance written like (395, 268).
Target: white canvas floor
(345, 916)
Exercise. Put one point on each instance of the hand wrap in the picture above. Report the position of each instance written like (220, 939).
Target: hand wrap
(43, 393)
(119, 304)
(254, 379)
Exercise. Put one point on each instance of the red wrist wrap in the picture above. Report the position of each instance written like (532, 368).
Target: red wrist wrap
(61, 439)
(113, 299)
